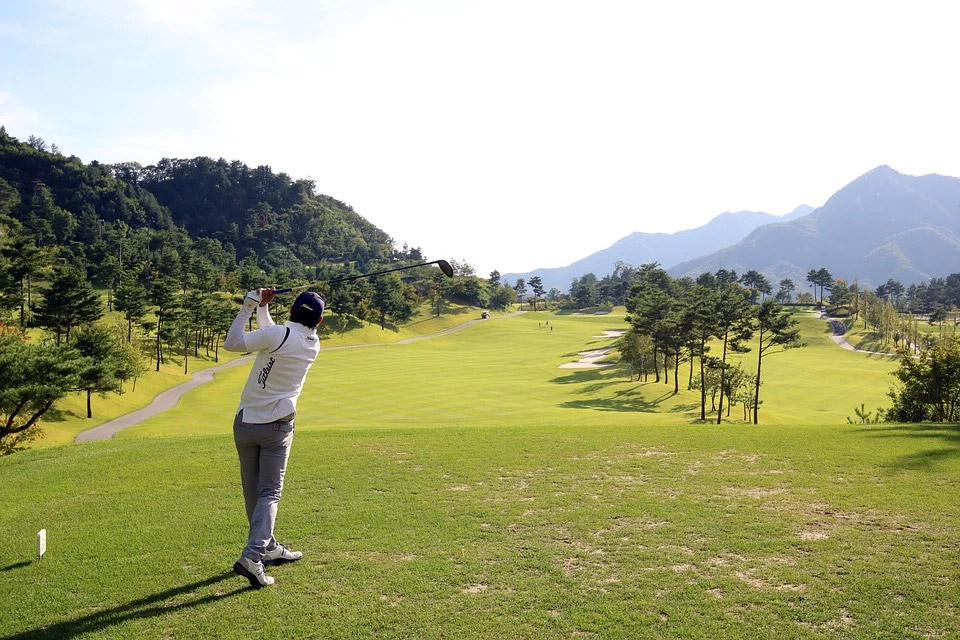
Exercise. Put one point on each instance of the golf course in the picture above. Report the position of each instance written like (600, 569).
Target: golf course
(465, 486)
(479, 321)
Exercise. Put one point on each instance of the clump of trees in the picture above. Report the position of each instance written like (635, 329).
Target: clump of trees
(929, 385)
(673, 322)
(821, 280)
(34, 377)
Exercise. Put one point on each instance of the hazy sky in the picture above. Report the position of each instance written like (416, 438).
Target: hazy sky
(511, 134)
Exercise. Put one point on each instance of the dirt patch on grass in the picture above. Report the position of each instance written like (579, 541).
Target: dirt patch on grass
(731, 454)
(475, 588)
(392, 602)
(813, 535)
(823, 518)
(623, 524)
(624, 453)
(652, 451)
(726, 559)
(571, 566)
(843, 622)
(752, 492)
(672, 547)
(758, 582)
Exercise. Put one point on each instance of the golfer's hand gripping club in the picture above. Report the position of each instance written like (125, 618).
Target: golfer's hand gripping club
(251, 300)
(259, 297)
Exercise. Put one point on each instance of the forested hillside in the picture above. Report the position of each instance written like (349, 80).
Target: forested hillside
(195, 210)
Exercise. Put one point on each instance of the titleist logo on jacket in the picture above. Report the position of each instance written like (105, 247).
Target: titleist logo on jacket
(285, 354)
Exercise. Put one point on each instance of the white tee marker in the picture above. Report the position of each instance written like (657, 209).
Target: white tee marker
(41, 542)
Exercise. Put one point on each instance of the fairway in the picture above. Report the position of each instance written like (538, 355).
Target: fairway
(465, 486)
(690, 531)
(505, 372)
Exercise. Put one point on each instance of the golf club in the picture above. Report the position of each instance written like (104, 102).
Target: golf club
(443, 264)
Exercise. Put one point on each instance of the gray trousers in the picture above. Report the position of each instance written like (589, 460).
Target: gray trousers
(263, 450)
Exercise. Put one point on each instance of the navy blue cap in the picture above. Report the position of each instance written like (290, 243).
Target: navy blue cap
(310, 304)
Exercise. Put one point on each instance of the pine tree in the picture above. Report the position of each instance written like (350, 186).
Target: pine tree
(704, 328)
(164, 295)
(777, 333)
(734, 326)
(131, 300)
(24, 260)
(34, 377)
(48, 222)
(70, 301)
(521, 288)
(390, 300)
(105, 363)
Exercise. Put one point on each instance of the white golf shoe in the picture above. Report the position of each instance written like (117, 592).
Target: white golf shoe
(280, 554)
(252, 571)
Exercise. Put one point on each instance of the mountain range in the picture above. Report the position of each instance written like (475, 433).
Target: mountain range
(668, 249)
(882, 225)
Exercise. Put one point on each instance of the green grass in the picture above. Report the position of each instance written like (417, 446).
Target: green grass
(424, 323)
(465, 487)
(69, 416)
(504, 372)
(691, 531)
(869, 340)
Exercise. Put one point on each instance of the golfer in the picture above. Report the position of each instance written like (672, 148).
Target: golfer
(263, 426)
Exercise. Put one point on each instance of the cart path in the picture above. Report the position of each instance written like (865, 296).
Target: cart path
(839, 329)
(164, 400)
(169, 398)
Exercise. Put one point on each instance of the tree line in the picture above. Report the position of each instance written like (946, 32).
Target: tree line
(923, 298)
(926, 297)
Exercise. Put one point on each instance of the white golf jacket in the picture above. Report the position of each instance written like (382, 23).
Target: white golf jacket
(284, 355)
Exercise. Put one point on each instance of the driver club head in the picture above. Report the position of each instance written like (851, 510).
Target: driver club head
(445, 267)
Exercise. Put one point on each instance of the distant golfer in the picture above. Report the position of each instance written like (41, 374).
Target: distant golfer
(263, 427)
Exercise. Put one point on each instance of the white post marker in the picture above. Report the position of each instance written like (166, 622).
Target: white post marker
(41, 542)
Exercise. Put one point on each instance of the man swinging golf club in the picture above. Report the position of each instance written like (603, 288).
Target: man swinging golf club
(263, 426)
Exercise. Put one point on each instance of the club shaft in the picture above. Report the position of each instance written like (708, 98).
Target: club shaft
(356, 277)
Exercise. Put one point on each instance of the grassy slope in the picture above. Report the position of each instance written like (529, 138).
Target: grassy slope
(69, 418)
(504, 372)
(537, 531)
(70, 414)
(424, 323)
(869, 340)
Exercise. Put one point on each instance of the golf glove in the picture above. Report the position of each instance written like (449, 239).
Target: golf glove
(252, 300)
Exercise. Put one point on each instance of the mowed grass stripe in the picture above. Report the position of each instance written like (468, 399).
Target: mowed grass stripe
(505, 371)
(490, 532)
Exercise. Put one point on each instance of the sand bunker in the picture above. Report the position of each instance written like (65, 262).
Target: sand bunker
(612, 333)
(588, 360)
